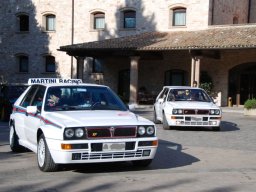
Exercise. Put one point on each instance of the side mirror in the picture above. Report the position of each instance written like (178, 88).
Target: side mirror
(160, 100)
(32, 109)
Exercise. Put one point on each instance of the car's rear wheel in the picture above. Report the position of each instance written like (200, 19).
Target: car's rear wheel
(44, 158)
(156, 121)
(14, 140)
(165, 123)
(142, 163)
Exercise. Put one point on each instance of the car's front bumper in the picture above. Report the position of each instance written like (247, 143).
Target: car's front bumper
(193, 120)
(139, 149)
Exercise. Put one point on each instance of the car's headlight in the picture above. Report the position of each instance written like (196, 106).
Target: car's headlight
(177, 111)
(146, 131)
(69, 133)
(74, 133)
(214, 112)
(79, 132)
(150, 130)
(141, 130)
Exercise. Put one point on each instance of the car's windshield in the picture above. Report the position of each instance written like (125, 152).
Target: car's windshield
(188, 95)
(66, 98)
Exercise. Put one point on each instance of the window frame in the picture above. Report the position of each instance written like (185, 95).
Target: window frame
(98, 15)
(20, 63)
(129, 14)
(46, 17)
(22, 22)
(47, 63)
(176, 11)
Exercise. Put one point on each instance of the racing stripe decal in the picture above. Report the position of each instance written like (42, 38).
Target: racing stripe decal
(17, 109)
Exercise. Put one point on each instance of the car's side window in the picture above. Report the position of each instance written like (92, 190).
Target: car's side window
(38, 99)
(27, 99)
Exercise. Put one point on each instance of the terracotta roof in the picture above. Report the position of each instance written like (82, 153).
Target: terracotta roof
(226, 37)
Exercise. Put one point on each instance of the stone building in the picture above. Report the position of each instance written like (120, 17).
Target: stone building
(133, 45)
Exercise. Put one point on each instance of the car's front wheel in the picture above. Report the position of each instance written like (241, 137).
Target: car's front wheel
(165, 123)
(44, 158)
(14, 140)
(156, 121)
(142, 163)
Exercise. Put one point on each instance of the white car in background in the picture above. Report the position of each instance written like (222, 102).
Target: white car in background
(187, 107)
(65, 121)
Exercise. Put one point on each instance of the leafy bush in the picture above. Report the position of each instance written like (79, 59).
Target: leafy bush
(207, 86)
(250, 104)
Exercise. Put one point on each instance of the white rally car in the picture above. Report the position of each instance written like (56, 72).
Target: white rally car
(187, 107)
(72, 122)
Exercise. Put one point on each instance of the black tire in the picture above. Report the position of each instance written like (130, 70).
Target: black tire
(216, 128)
(14, 140)
(155, 119)
(165, 123)
(142, 163)
(44, 158)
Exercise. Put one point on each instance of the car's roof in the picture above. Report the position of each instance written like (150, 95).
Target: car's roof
(180, 87)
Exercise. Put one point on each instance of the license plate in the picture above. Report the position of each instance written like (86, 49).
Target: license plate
(113, 147)
(196, 118)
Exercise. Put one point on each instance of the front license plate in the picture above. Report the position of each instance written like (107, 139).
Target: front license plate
(113, 147)
(196, 118)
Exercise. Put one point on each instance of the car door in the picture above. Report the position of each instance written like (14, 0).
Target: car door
(33, 121)
(159, 102)
(20, 114)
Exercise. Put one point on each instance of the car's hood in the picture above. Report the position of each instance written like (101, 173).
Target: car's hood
(192, 105)
(95, 118)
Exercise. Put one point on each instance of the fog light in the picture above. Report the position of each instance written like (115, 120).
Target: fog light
(76, 156)
(146, 153)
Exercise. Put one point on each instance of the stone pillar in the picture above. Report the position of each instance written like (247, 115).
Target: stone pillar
(195, 70)
(80, 68)
(134, 79)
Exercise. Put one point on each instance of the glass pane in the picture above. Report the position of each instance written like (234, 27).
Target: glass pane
(50, 23)
(24, 23)
(129, 23)
(50, 64)
(179, 18)
(99, 23)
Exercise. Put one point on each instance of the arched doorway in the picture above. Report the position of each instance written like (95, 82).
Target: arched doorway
(176, 77)
(242, 83)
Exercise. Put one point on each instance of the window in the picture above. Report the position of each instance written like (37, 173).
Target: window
(49, 22)
(27, 99)
(99, 20)
(179, 17)
(49, 64)
(175, 77)
(23, 22)
(129, 19)
(23, 63)
(97, 66)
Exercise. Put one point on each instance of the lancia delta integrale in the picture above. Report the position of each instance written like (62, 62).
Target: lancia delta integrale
(67, 122)
(187, 107)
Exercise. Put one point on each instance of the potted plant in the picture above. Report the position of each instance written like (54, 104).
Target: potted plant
(250, 107)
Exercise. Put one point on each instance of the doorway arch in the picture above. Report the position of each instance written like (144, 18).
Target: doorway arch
(242, 83)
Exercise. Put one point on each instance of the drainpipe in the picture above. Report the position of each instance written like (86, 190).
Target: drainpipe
(72, 37)
(212, 12)
(249, 11)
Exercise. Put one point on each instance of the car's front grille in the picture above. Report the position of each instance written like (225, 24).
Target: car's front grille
(112, 155)
(196, 111)
(111, 132)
